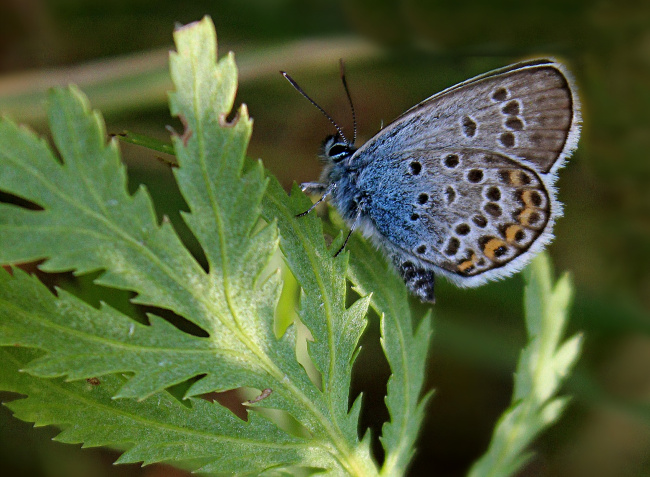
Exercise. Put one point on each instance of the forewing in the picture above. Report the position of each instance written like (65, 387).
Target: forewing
(528, 111)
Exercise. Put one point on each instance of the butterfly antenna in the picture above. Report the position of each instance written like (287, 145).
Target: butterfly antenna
(347, 91)
(300, 90)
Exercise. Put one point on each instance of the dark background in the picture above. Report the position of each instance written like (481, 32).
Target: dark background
(398, 53)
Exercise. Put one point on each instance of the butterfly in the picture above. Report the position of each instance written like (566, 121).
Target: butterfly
(462, 184)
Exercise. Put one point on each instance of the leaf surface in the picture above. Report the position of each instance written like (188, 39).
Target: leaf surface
(89, 222)
(543, 365)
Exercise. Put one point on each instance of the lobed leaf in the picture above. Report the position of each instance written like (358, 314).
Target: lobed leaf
(83, 342)
(405, 350)
(201, 436)
(543, 364)
(336, 329)
(89, 222)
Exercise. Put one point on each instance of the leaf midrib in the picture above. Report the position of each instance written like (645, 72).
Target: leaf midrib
(152, 423)
(273, 370)
(395, 455)
(136, 245)
(337, 436)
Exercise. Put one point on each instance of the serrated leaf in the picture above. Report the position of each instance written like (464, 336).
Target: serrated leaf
(369, 273)
(83, 341)
(202, 436)
(543, 364)
(89, 222)
(335, 329)
(405, 350)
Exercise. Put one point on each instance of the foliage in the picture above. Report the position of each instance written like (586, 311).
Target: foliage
(544, 363)
(104, 378)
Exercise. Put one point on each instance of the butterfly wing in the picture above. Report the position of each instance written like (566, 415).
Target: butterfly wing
(462, 183)
(527, 111)
(470, 215)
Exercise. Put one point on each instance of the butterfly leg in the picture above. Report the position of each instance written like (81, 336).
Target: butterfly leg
(313, 187)
(354, 226)
(419, 281)
(326, 193)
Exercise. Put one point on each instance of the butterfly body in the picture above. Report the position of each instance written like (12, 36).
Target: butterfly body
(462, 184)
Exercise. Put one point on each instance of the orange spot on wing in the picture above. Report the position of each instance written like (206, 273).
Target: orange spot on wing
(527, 198)
(511, 233)
(530, 217)
(518, 178)
(491, 247)
(524, 216)
(515, 178)
(467, 265)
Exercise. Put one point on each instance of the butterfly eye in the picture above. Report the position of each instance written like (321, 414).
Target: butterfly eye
(338, 152)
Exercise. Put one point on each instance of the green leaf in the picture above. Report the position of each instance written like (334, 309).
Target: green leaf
(203, 436)
(131, 137)
(83, 342)
(89, 222)
(544, 363)
(335, 329)
(405, 350)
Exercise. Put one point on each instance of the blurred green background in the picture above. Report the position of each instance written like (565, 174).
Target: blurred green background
(397, 53)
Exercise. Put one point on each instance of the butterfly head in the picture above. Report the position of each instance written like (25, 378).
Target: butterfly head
(336, 149)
